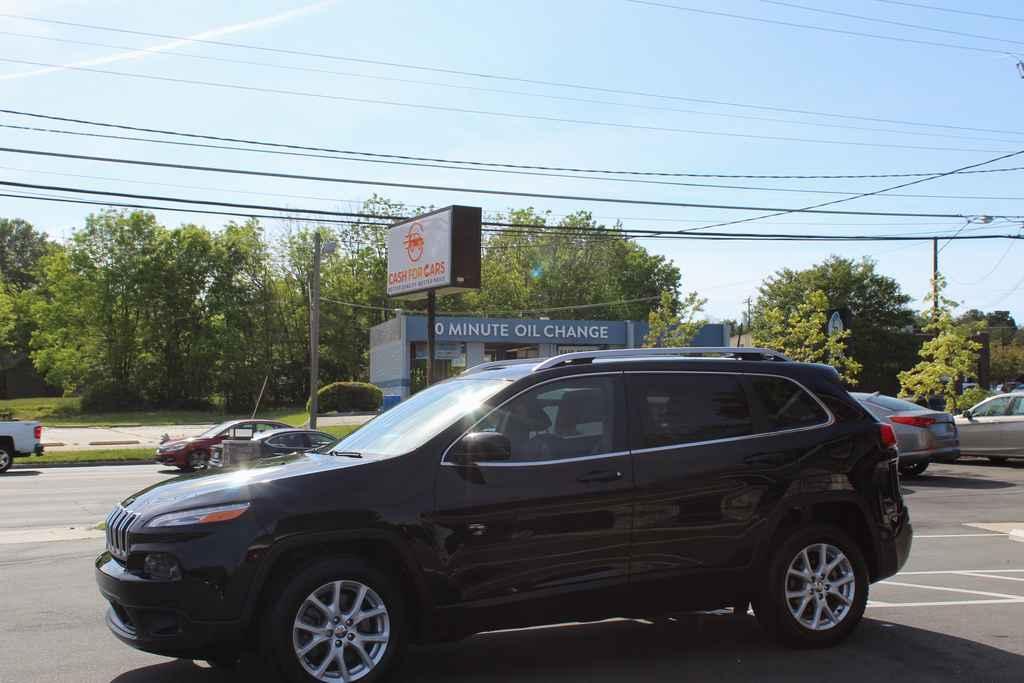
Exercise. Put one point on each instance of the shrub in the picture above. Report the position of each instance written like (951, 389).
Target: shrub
(972, 397)
(109, 396)
(348, 396)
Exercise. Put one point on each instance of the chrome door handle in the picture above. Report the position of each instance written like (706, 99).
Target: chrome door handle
(477, 529)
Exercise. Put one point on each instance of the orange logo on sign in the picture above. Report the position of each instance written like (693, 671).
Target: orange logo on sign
(414, 242)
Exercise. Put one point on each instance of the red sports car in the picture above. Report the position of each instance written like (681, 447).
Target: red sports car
(193, 452)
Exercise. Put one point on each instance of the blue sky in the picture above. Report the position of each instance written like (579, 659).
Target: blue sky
(612, 44)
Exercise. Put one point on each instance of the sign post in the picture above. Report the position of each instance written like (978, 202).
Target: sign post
(436, 253)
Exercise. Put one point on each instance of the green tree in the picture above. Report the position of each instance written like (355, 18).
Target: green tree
(801, 334)
(1007, 362)
(6, 320)
(21, 248)
(675, 321)
(950, 356)
(881, 318)
(574, 262)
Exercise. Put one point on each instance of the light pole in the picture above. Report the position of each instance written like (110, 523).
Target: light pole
(319, 249)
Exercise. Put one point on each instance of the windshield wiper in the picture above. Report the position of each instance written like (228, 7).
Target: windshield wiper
(346, 454)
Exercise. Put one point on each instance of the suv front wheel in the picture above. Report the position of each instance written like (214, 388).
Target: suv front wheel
(817, 588)
(338, 620)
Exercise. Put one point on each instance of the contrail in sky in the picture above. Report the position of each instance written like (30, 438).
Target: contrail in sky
(163, 47)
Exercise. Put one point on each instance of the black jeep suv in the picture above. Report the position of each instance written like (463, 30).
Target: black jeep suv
(590, 485)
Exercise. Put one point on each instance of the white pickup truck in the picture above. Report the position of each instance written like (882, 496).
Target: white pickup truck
(19, 438)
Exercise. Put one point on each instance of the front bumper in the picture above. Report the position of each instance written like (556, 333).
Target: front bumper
(153, 616)
(176, 458)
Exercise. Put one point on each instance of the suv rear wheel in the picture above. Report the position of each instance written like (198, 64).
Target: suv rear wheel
(6, 460)
(817, 588)
(339, 620)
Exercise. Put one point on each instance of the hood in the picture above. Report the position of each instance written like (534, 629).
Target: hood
(176, 443)
(231, 486)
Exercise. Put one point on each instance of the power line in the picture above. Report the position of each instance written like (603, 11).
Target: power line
(714, 186)
(556, 230)
(812, 27)
(994, 268)
(503, 91)
(445, 188)
(891, 22)
(935, 8)
(873, 193)
(265, 143)
(501, 77)
(486, 112)
(525, 228)
(321, 198)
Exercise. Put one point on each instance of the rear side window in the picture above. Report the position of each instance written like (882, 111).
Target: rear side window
(786, 405)
(677, 409)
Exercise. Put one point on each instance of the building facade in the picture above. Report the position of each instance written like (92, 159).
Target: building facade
(398, 347)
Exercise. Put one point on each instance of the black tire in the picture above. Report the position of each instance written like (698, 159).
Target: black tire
(277, 646)
(772, 608)
(6, 460)
(997, 460)
(915, 470)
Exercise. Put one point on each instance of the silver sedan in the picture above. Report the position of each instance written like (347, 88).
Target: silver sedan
(994, 428)
(922, 435)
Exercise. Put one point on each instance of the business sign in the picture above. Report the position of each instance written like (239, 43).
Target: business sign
(438, 250)
(573, 332)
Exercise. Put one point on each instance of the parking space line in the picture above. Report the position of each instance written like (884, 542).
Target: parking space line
(957, 571)
(954, 590)
(991, 576)
(945, 603)
(990, 535)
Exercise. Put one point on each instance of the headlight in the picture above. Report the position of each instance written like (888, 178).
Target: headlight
(220, 513)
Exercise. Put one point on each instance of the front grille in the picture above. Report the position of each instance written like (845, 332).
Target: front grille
(119, 522)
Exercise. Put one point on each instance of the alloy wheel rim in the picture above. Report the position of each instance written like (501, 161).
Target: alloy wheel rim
(5, 459)
(820, 587)
(341, 631)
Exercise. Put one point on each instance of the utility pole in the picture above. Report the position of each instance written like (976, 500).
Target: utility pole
(431, 305)
(314, 331)
(935, 278)
(319, 249)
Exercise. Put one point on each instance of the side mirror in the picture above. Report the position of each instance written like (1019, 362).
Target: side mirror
(481, 447)
(967, 414)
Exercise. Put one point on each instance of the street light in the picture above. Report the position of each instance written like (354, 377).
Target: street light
(319, 249)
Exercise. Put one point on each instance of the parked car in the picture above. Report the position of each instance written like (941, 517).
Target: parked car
(924, 436)
(280, 442)
(584, 486)
(994, 428)
(19, 438)
(194, 452)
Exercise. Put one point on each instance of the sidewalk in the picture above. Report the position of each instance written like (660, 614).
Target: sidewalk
(90, 438)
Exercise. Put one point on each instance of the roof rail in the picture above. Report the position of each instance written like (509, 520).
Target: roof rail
(498, 364)
(739, 352)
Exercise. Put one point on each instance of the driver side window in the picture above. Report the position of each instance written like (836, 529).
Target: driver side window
(994, 408)
(571, 418)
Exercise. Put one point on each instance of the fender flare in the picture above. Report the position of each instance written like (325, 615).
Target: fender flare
(304, 540)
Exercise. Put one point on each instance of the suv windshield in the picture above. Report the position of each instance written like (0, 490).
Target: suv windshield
(413, 422)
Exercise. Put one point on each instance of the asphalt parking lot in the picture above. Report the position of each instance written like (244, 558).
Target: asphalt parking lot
(955, 612)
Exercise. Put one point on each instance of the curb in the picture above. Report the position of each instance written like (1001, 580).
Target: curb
(113, 443)
(89, 463)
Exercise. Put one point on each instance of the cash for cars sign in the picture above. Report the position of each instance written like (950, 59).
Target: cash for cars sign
(436, 251)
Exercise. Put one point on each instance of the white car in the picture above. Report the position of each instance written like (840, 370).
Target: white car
(994, 428)
(18, 438)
